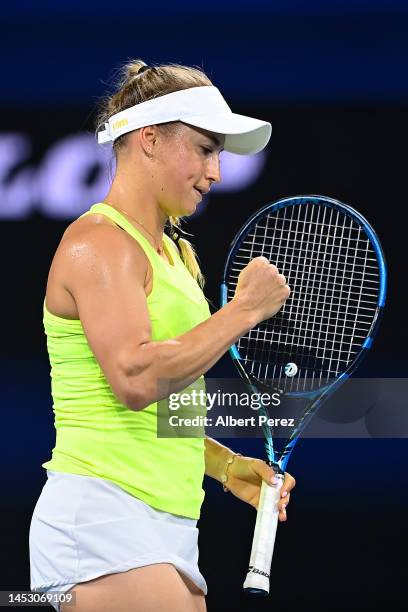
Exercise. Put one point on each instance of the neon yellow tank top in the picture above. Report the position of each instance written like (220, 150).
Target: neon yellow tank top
(96, 435)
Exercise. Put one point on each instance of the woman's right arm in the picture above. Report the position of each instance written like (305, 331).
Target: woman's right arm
(105, 272)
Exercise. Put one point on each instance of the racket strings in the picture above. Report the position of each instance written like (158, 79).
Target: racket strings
(332, 270)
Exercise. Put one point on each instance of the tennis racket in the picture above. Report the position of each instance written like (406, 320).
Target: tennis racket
(335, 267)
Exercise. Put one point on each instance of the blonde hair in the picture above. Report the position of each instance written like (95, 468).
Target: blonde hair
(138, 83)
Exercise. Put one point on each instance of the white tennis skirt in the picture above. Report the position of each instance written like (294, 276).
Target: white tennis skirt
(84, 527)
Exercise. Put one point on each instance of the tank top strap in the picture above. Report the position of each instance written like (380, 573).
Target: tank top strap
(119, 219)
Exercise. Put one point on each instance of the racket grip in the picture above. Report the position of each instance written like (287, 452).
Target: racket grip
(257, 579)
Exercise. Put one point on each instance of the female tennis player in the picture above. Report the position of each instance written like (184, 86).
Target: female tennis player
(127, 324)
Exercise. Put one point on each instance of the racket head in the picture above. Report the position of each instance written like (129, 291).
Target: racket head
(334, 263)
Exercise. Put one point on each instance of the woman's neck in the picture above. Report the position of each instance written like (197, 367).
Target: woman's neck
(146, 215)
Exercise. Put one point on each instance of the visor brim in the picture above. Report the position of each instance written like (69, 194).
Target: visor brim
(243, 135)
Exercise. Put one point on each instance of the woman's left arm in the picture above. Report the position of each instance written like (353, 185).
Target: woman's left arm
(244, 475)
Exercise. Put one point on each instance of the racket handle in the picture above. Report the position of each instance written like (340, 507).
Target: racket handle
(257, 580)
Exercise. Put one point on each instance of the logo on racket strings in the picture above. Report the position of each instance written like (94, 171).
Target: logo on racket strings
(291, 369)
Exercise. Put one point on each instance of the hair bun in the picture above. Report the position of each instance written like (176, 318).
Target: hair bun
(143, 69)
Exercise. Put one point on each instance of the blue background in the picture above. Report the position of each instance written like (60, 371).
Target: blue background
(332, 78)
(342, 51)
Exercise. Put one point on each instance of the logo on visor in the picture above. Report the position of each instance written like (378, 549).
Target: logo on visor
(121, 123)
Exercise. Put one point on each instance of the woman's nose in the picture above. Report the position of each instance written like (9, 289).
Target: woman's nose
(214, 170)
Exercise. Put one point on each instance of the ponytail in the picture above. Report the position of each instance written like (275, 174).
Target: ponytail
(186, 250)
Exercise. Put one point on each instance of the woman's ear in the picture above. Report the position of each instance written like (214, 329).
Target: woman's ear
(148, 139)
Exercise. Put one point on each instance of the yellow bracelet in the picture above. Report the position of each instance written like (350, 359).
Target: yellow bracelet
(224, 477)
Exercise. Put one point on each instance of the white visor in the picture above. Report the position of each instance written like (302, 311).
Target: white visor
(202, 107)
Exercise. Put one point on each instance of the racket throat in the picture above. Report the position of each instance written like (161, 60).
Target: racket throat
(276, 468)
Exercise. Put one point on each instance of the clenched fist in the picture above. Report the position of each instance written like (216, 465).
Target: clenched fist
(261, 290)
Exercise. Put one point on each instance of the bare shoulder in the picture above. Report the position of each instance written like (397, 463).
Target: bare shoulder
(93, 229)
(98, 241)
(91, 245)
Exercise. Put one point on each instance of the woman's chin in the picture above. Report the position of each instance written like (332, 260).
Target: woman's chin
(192, 210)
(184, 210)
(187, 211)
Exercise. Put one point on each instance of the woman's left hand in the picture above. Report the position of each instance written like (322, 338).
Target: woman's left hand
(245, 476)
